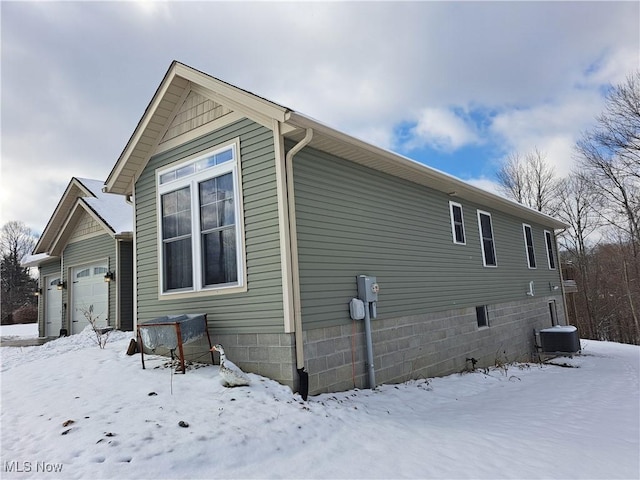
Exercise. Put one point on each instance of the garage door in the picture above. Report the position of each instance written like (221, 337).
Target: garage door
(89, 291)
(52, 306)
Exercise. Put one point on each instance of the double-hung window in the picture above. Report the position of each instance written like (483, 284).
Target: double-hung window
(199, 215)
(548, 238)
(457, 223)
(486, 239)
(528, 245)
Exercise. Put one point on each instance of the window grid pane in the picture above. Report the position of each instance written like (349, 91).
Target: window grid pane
(219, 257)
(176, 236)
(528, 238)
(176, 213)
(219, 158)
(488, 246)
(178, 270)
(217, 220)
(549, 242)
(216, 203)
(458, 224)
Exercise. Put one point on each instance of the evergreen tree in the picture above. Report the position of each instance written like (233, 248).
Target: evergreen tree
(16, 284)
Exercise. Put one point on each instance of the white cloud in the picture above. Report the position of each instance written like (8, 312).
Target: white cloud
(486, 184)
(552, 128)
(441, 129)
(77, 76)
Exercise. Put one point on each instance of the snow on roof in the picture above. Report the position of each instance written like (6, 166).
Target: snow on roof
(113, 209)
(34, 260)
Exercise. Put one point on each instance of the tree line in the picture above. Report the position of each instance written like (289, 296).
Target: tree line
(600, 202)
(18, 303)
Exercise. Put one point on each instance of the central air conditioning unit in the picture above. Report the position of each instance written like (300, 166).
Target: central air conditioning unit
(561, 339)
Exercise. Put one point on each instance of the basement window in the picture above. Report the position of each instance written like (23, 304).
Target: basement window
(482, 316)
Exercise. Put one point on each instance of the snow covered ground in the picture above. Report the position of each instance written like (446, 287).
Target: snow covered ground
(21, 330)
(71, 410)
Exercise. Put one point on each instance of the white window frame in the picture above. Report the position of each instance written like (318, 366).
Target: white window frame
(526, 226)
(452, 205)
(193, 180)
(493, 240)
(548, 243)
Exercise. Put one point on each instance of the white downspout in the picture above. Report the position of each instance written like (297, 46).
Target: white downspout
(564, 293)
(293, 238)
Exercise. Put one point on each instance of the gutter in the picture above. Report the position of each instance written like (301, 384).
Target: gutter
(293, 243)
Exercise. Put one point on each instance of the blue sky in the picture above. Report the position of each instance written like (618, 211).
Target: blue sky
(456, 85)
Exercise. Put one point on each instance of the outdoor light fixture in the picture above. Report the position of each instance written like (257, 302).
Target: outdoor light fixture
(38, 292)
(61, 285)
(109, 276)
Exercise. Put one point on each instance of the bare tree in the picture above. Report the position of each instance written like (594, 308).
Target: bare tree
(17, 286)
(609, 161)
(16, 239)
(610, 157)
(577, 207)
(529, 180)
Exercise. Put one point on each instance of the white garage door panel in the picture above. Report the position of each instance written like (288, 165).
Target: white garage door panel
(53, 306)
(89, 292)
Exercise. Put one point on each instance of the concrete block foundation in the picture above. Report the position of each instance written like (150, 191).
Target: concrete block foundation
(404, 348)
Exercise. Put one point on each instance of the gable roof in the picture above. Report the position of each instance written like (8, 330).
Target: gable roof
(84, 195)
(181, 79)
(165, 103)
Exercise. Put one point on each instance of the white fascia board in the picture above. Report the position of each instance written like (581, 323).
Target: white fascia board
(57, 217)
(233, 94)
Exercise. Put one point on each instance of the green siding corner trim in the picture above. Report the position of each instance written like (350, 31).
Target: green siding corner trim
(260, 308)
(352, 220)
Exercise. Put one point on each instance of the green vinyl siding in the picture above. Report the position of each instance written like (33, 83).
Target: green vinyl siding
(260, 308)
(49, 268)
(124, 279)
(352, 220)
(101, 248)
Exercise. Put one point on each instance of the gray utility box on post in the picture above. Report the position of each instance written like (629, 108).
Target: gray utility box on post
(368, 293)
(367, 288)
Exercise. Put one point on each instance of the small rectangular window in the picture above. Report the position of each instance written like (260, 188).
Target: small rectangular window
(457, 223)
(486, 239)
(482, 316)
(550, 257)
(528, 244)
